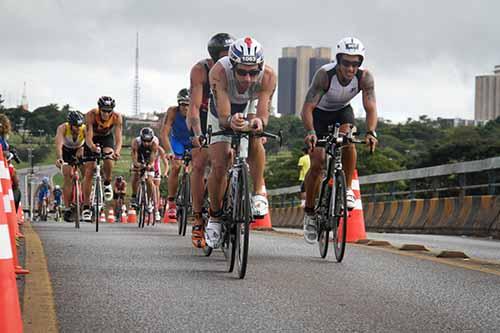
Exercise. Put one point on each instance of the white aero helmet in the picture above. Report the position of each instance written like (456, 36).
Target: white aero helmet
(350, 46)
(246, 51)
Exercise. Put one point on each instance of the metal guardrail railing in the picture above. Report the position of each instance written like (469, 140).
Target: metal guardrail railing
(286, 196)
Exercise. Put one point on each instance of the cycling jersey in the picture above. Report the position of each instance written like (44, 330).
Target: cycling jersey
(102, 127)
(179, 134)
(337, 96)
(57, 196)
(119, 186)
(143, 152)
(70, 141)
(43, 192)
(240, 102)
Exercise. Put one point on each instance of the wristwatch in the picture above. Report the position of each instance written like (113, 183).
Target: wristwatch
(372, 133)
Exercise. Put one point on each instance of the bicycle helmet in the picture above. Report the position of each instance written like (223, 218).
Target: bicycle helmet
(119, 179)
(183, 96)
(350, 46)
(45, 180)
(147, 134)
(57, 187)
(246, 51)
(75, 118)
(106, 103)
(219, 43)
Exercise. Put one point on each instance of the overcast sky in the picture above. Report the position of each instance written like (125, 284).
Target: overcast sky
(424, 54)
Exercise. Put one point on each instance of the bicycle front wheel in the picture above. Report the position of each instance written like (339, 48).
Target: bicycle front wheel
(186, 202)
(207, 250)
(340, 216)
(244, 219)
(76, 189)
(98, 203)
(323, 219)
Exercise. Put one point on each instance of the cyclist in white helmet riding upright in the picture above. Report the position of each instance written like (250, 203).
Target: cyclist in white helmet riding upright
(328, 102)
(242, 87)
(218, 47)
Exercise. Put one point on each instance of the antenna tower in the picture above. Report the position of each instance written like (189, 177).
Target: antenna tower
(136, 103)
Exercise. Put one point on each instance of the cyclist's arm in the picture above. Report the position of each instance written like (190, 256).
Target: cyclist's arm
(89, 130)
(164, 159)
(367, 85)
(135, 152)
(265, 96)
(154, 153)
(196, 97)
(218, 85)
(317, 89)
(59, 141)
(168, 120)
(118, 134)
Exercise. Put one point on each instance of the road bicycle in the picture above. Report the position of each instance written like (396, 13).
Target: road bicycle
(183, 197)
(237, 205)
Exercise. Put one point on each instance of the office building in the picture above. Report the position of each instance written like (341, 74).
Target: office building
(487, 98)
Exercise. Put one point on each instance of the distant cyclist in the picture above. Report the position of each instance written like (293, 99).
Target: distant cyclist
(43, 192)
(144, 154)
(119, 192)
(218, 47)
(328, 102)
(175, 136)
(104, 128)
(70, 138)
(57, 194)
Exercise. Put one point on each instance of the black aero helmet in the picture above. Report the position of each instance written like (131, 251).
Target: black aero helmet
(119, 179)
(75, 118)
(183, 96)
(106, 103)
(147, 134)
(218, 43)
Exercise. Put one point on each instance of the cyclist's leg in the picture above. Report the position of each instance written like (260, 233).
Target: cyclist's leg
(349, 155)
(199, 164)
(134, 181)
(257, 163)
(173, 184)
(68, 156)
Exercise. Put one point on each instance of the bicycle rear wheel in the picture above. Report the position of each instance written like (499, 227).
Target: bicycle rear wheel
(323, 219)
(186, 202)
(97, 201)
(340, 216)
(143, 203)
(76, 189)
(243, 222)
(207, 250)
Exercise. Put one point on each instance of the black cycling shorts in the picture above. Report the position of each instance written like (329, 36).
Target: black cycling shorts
(323, 119)
(106, 141)
(117, 195)
(69, 154)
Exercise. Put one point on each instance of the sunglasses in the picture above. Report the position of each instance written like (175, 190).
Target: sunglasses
(347, 63)
(252, 73)
(106, 110)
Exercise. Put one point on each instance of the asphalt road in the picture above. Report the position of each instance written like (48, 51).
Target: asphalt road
(127, 280)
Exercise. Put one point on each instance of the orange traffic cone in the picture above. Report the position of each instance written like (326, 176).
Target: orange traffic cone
(166, 218)
(356, 223)
(8, 199)
(10, 311)
(123, 217)
(111, 216)
(132, 216)
(20, 214)
(263, 223)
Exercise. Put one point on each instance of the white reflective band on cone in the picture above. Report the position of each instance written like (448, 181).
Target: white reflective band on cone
(355, 184)
(5, 249)
(11, 194)
(6, 204)
(4, 172)
(358, 204)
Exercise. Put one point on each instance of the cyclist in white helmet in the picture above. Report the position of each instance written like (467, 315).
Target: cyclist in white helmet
(242, 87)
(328, 102)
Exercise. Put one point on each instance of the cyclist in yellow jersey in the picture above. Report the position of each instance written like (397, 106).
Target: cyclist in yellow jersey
(70, 137)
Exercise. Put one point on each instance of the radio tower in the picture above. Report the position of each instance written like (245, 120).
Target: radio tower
(136, 103)
(24, 99)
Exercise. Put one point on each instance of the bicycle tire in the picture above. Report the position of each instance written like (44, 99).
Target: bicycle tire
(142, 205)
(243, 225)
(185, 204)
(324, 225)
(228, 228)
(340, 216)
(76, 188)
(178, 205)
(97, 204)
(207, 250)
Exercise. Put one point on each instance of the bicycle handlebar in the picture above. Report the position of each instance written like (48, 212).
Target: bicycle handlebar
(232, 133)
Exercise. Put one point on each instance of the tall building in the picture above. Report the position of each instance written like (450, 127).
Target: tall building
(296, 68)
(24, 99)
(487, 99)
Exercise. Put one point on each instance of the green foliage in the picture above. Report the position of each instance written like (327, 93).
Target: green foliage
(414, 144)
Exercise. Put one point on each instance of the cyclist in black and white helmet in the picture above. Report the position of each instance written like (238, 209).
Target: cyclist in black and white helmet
(328, 102)
(144, 153)
(104, 128)
(243, 87)
(218, 46)
(69, 141)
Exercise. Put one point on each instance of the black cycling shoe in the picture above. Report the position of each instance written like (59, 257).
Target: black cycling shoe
(68, 216)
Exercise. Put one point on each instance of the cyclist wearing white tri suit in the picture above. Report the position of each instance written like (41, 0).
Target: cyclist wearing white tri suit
(242, 88)
(327, 103)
